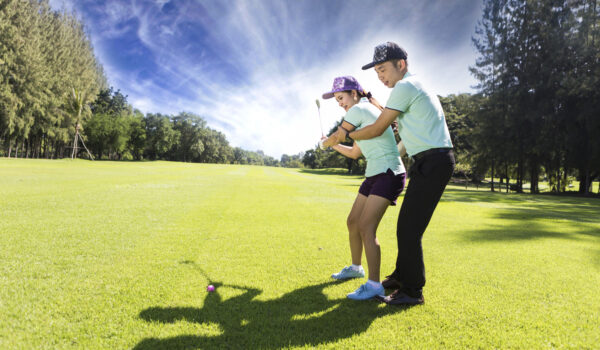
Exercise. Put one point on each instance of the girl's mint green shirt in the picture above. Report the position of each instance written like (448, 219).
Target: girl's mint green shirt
(380, 152)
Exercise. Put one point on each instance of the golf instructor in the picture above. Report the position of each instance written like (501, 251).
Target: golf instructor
(422, 127)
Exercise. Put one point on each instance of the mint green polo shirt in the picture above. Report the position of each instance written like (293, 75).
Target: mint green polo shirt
(380, 152)
(421, 123)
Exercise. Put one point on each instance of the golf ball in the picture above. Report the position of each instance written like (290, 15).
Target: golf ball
(210, 288)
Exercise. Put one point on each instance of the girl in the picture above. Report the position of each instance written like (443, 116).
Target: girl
(385, 178)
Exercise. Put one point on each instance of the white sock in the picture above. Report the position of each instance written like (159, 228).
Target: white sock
(373, 283)
(355, 267)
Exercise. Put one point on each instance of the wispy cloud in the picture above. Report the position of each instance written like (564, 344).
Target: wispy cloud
(254, 69)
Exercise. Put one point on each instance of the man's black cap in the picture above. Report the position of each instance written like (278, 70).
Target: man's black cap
(386, 52)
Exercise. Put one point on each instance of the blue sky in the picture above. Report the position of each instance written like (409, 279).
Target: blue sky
(253, 69)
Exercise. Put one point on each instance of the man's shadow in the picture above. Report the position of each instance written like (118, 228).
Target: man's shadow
(302, 317)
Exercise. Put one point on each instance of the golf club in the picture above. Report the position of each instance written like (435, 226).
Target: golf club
(320, 123)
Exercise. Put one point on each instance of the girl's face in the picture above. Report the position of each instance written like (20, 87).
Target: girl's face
(346, 99)
(390, 73)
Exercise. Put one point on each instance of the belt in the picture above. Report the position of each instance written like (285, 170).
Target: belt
(429, 152)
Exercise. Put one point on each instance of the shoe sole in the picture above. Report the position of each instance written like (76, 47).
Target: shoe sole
(376, 297)
(403, 301)
(346, 278)
(380, 298)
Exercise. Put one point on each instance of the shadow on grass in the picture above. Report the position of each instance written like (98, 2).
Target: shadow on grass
(527, 230)
(532, 206)
(520, 231)
(532, 217)
(303, 317)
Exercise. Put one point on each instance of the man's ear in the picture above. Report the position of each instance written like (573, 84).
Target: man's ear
(401, 64)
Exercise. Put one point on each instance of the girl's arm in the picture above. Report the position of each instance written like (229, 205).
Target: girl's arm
(351, 152)
(338, 136)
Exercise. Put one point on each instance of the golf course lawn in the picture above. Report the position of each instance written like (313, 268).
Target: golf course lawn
(118, 255)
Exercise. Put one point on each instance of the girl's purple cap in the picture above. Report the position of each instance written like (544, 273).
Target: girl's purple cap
(343, 84)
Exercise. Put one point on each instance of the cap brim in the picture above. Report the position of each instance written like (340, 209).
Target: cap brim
(370, 65)
(327, 95)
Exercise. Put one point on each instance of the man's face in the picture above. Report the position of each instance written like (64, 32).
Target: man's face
(389, 73)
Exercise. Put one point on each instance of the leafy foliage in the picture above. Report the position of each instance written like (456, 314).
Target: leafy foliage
(538, 70)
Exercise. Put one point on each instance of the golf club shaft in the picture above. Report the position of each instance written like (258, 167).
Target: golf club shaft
(320, 122)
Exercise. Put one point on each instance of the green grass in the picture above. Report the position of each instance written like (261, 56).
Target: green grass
(543, 186)
(113, 255)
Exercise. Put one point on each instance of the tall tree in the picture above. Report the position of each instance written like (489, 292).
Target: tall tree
(160, 136)
(190, 128)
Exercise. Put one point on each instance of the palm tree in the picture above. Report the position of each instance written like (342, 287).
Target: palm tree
(77, 105)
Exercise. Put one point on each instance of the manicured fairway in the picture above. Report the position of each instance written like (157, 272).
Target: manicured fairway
(117, 255)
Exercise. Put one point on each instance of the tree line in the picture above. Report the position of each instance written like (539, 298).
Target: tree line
(117, 131)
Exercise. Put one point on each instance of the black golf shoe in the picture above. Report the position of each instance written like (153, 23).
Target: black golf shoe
(398, 297)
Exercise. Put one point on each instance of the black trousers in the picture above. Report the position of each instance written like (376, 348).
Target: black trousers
(428, 179)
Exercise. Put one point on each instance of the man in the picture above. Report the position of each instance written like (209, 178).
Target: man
(422, 127)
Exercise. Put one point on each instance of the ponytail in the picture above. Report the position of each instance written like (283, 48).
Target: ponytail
(371, 99)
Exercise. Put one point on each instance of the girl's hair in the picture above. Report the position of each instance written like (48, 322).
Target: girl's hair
(362, 93)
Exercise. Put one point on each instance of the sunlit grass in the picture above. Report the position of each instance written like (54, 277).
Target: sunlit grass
(118, 255)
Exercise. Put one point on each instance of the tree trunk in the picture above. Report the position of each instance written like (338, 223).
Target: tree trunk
(519, 180)
(587, 181)
(535, 178)
(566, 170)
(36, 148)
(46, 147)
(74, 152)
(584, 180)
(493, 175)
(507, 179)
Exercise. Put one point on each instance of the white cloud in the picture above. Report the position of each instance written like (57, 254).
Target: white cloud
(62, 4)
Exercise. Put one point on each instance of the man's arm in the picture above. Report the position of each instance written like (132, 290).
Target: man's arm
(384, 120)
(338, 136)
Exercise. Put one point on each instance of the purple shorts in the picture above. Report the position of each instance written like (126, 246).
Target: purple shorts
(386, 185)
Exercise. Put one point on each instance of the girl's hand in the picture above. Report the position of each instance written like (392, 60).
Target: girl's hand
(321, 146)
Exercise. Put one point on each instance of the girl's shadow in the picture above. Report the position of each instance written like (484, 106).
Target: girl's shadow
(302, 317)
